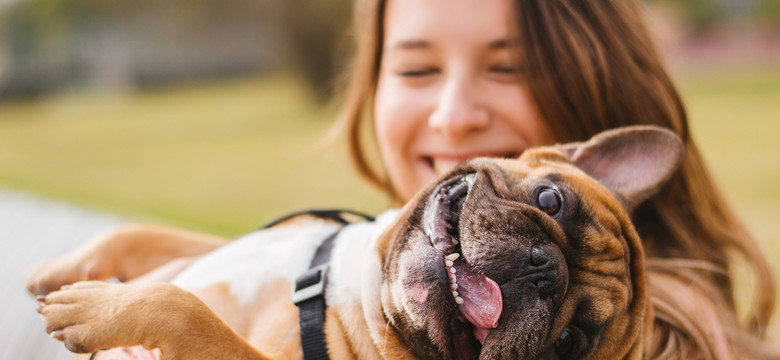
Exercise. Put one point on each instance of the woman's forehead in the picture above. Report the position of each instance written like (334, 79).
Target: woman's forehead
(415, 24)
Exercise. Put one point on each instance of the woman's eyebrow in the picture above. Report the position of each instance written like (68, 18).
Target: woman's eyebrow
(415, 44)
(410, 44)
(500, 44)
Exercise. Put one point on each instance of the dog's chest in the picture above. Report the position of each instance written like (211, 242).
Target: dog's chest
(247, 264)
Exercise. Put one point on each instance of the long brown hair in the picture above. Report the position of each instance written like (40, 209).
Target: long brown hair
(592, 66)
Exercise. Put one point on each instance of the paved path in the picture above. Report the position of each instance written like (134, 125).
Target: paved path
(32, 230)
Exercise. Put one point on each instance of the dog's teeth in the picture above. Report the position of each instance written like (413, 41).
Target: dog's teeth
(459, 300)
(448, 263)
(452, 257)
(453, 287)
(455, 294)
(440, 239)
(454, 242)
(452, 270)
(453, 279)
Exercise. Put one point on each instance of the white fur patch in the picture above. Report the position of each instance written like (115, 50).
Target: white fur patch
(252, 260)
(354, 262)
(259, 257)
(355, 275)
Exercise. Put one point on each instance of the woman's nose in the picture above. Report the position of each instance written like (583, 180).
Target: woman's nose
(458, 112)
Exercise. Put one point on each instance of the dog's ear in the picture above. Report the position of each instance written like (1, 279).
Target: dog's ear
(633, 161)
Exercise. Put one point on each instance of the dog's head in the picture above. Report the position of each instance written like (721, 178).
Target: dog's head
(528, 258)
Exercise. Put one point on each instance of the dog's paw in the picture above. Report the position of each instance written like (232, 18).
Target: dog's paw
(95, 260)
(94, 315)
(50, 276)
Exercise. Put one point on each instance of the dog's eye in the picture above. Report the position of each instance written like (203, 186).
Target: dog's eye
(564, 346)
(549, 201)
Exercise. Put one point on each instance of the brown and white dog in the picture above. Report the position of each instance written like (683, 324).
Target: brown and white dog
(523, 258)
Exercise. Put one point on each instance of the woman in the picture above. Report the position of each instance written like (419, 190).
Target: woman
(449, 80)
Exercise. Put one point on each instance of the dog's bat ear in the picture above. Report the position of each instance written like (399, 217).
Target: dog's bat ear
(633, 161)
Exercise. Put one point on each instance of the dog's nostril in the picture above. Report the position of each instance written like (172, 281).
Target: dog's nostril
(539, 257)
(544, 285)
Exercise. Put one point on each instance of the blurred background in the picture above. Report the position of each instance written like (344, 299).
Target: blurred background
(217, 118)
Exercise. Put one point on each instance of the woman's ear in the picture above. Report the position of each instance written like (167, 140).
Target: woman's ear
(634, 161)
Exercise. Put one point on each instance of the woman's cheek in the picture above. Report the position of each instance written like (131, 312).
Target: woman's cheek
(399, 115)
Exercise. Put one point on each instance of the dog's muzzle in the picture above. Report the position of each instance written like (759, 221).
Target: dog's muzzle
(477, 296)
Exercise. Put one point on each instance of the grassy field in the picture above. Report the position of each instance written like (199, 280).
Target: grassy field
(221, 157)
(225, 157)
(735, 117)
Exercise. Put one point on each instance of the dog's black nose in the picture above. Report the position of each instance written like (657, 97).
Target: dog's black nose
(547, 274)
(539, 257)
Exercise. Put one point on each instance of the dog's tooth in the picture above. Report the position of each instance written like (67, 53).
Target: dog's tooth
(459, 300)
(453, 279)
(452, 257)
(452, 270)
(448, 263)
(455, 294)
(454, 242)
(453, 287)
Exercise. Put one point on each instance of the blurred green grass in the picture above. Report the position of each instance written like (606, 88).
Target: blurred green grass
(735, 118)
(224, 157)
(219, 157)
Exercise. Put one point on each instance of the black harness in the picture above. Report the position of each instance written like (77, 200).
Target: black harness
(309, 293)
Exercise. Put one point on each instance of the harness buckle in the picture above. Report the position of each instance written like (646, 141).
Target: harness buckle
(311, 284)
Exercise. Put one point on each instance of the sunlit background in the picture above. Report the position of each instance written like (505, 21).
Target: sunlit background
(215, 116)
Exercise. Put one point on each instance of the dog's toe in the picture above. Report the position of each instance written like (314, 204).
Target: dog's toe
(91, 284)
(79, 339)
(59, 316)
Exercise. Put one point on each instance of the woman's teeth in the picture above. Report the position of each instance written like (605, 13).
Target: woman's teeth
(442, 166)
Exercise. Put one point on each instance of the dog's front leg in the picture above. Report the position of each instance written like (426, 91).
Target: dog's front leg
(125, 253)
(94, 315)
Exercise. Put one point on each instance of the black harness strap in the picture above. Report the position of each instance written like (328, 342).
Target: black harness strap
(309, 293)
(309, 296)
(336, 215)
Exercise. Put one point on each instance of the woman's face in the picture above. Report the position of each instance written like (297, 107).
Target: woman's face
(448, 90)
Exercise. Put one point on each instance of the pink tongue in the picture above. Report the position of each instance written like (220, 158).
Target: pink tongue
(482, 302)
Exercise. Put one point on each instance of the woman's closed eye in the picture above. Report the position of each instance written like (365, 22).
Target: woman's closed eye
(504, 69)
(417, 72)
(505, 72)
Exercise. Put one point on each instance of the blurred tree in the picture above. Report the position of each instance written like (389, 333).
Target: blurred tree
(33, 29)
(54, 44)
(767, 11)
(59, 43)
(700, 15)
(316, 31)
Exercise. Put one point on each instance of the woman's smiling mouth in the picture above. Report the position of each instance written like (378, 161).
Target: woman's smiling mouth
(441, 163)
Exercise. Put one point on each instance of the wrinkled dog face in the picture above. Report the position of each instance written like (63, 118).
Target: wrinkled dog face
(528, 258)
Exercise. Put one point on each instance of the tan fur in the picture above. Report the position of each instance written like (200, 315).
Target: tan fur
(125, 253)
